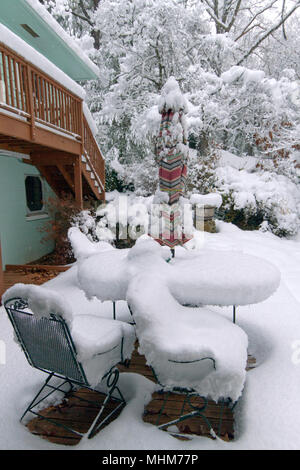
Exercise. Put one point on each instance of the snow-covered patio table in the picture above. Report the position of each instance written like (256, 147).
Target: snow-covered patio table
(186, 347)
(210, 277)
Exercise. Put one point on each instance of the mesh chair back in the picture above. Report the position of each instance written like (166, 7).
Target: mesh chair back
(47, 342)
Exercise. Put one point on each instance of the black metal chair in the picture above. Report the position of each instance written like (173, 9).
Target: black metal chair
(48, 346)
(190, 409)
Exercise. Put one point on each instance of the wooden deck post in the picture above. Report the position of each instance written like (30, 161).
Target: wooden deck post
(78, 182)
(77, 166)
(30, 101)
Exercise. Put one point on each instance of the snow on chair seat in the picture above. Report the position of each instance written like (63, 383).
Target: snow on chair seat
(196, 356)
(81, 350)
(190, 348)
(101, 344)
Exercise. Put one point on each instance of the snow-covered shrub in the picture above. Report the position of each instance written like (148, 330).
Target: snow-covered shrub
(262, 200)
(243, 111)
(202, 172)
(145, 176)
(115, 180)
(126, 217)
(123, 219)
(86, 222)
(61, 213)
(117, 175)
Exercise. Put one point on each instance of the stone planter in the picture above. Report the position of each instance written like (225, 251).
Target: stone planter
(204, 218)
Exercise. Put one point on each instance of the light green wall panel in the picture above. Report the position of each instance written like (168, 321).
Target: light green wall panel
(14, 13)
(20, 237)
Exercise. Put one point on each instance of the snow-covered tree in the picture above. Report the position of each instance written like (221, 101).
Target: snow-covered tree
(282, 52)
(250, 23)
(138, 44)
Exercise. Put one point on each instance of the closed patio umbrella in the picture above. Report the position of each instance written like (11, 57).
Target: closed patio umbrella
(172, 155)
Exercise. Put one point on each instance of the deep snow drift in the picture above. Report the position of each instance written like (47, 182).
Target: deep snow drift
(267, 415)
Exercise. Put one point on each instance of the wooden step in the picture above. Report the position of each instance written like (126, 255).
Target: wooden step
(91, 182)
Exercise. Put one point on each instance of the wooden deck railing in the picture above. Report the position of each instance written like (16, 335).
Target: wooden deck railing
(54, 106)
(32, 95)
(27, 91)
(13, 87)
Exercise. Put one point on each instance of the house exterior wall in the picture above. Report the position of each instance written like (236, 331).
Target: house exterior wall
(20, 237)
(51, 40)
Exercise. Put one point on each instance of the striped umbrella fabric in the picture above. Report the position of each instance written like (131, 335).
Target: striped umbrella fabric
(172, 169)
(172, 152)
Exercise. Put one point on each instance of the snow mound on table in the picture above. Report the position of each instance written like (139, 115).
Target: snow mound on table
(144, 248)
(107, 275)
(41, 301)
(187, 347)
(222, 278)
(210, 278)
(82, 247)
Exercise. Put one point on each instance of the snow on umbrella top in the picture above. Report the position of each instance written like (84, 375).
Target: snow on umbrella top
(171, 97)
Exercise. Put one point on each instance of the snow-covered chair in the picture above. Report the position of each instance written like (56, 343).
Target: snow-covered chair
(192, 351)
(84, 248)
(81, 350)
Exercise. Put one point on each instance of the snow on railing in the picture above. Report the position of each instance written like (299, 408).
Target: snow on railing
(29, 93)
(26, 90)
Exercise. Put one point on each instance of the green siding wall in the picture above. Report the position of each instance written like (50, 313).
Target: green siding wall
(20, 238)
(14, 13)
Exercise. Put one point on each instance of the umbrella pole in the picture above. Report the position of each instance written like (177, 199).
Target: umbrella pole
(173, 252)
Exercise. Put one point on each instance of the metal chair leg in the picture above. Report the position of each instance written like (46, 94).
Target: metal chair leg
(234, 314)
(112, 381)
(32, 404)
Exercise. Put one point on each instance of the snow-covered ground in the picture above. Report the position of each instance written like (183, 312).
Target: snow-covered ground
(268, 414)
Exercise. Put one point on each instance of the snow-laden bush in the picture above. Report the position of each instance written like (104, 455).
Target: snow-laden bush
(201, 174)
(126, 217)
(86, 221)
(261, 199)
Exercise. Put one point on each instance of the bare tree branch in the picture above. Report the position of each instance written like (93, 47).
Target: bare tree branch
(282, 15)
(254, 17)
(81, 17)
(269, 32)
(234, 16)
(83, 9)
